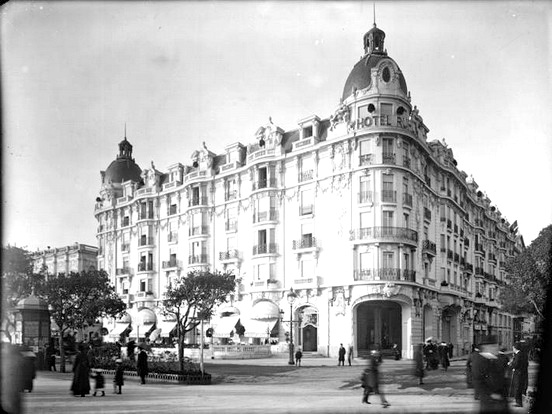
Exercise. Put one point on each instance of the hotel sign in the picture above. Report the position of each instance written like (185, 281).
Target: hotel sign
(376, 121)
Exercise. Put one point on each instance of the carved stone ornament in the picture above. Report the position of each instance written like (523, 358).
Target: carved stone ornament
(340, 115)
(390, 289)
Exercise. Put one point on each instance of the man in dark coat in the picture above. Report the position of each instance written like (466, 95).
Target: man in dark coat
(488, 377)
(430, 353)
(81, 372)
(370, 380)
(469, 375)
(519, 365)
(341, 356)
(444, 355)
(142, 364)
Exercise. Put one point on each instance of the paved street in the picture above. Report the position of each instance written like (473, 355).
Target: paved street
(268, 385)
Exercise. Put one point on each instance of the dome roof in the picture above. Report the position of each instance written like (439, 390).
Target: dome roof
(32, 302)
(122, 169)
(361, 75)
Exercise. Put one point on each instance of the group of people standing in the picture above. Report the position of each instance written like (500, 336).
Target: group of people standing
(495, 377)
(84, 369)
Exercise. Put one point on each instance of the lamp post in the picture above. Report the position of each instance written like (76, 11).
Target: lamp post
(291, 296)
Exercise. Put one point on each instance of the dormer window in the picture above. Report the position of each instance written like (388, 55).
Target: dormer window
(307, 132)
(386, 74)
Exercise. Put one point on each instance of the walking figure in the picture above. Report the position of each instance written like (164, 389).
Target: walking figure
(341, 356)
(99, 381)
(419, 363)
(370, 380)
(519, 365)
(350, 354)
(298, 356)
(142, 364)
(118, 379)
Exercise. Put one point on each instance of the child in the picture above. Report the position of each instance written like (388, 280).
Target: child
(99, 381)
(118, 380)
(298, 356)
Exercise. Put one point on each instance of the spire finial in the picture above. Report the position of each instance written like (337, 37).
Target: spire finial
(374, 14)
(125, 130)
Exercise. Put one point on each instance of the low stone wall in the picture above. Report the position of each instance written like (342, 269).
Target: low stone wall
(240, 351)
(188, 379)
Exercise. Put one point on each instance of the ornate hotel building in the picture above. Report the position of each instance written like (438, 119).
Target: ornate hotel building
(382, 237)
(74, 258)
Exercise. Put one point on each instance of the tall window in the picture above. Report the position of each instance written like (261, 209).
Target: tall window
(307, 168)
(388, 154)
(365, 195)
(307, 201)
(388, 218)
(388, 194)
(306, 235)
(230, 191)
(365, 152)
(406, 155)
(365, 260)
(388, 260)
(307, 268)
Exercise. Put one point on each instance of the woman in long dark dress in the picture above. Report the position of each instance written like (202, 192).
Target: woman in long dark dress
(81, 373)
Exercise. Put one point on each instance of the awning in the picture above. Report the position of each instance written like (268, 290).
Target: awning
(119, 329)
(223, 326)
(146, 317)
(258, 329)
(166, 327)
(265, 309)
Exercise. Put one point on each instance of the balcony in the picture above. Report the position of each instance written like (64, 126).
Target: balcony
(171, 185)
(449, 254)
(197, 201)
(264, 183)
(270, 248)
(478, 222)
(429, 247)
(427, 214)
(365, 197)
(145, 241)
(406, 162)
(388, 158)
(262, 216)
(171, 263)
(366, 159)
(123, 271)
(304, 243)
(257, 153)
(389, 196)
(307, 209)
(307, 282)
(125, 199)
(407, 199)
(144, 191)
(479, 249)
(195, 174)
(198, 259)
(392, 234)
(231, 225)
(172, 237)
(306, 176)
(199, 231)
(390, 274)
(145, 267)
(229, 166)
(229, 255)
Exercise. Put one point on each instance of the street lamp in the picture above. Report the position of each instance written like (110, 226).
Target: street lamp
(291, 296)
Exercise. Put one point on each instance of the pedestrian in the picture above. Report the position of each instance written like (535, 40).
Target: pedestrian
(341, 356)
(28, 369)
(350, 354)
(370, 380)
(469, 371)
(81, 372)
(488, 377)
(430, 354)
(142, 364)
(51, 358)
(504, 361)
(419, 371)
(99, 381)
(118, 379)
(519, 366)
(298, 356)
(450, 349)
(119, 346)
(396, 352)
(444, 355)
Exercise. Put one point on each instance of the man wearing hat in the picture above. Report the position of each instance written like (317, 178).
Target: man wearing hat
(488, 377)
(519, 365)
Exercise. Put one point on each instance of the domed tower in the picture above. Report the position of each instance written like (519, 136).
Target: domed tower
(123, 168)
(375, 71)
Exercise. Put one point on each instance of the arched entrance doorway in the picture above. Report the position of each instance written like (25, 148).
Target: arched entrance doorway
(378, 326)
(308, 323)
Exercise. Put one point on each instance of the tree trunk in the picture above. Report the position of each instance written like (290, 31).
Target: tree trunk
(181, 351)
(61, 353)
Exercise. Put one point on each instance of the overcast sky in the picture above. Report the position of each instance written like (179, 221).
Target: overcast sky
(179, 73)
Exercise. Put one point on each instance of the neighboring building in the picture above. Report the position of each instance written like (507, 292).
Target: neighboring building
(383, 238)
(74, 258)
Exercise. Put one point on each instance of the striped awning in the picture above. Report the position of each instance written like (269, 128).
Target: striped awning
(255, 328)
(223, 326)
